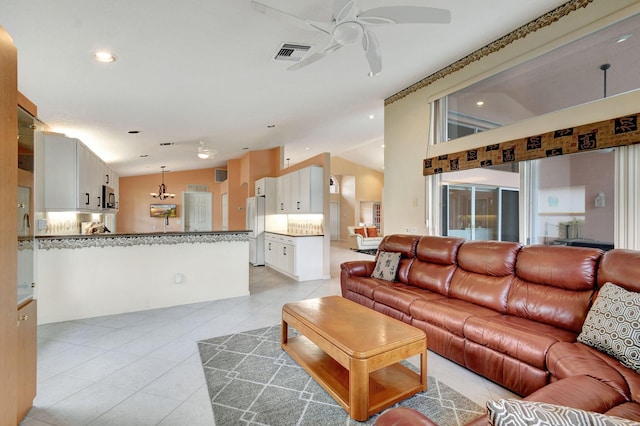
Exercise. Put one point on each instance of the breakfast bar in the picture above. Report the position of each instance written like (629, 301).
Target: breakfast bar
(82, 276)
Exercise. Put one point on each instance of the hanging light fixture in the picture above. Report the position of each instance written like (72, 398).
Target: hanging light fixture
(204, 152)
(162, 189)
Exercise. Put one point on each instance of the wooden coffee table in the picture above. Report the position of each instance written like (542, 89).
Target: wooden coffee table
(353, 352)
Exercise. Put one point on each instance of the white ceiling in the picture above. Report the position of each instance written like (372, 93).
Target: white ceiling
(202, 70)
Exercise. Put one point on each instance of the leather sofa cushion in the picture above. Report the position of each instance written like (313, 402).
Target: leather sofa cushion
(431, 276)
(448, 314)
(582, 392)
(405, 244)
(485, 272)
(521, 339)
(491, 258)
(571, 268)
(438, 250)
(400, 296)
(573, 359)
(550, 305)
(362, 285)
(621, 268)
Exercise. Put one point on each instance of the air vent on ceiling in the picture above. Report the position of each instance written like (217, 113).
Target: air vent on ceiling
(291, 52)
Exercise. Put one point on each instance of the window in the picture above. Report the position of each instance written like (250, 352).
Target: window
(567, 76)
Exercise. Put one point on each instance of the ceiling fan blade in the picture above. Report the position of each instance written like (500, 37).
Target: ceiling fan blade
(372, 52)
(405, 15)
(332, 47)
(287, 17)
(347, 10)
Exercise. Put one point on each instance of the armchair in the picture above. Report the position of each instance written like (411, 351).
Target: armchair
(359, 238)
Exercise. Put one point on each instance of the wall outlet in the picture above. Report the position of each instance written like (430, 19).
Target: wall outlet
(406, 229)
(414, 230)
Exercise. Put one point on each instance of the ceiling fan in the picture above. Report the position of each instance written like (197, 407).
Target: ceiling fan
(203, 151)
(350, 25)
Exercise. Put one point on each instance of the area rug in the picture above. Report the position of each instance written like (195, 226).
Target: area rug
(372, 252)
(252, 381)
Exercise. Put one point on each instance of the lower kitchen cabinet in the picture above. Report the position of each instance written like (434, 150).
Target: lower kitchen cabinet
(26, 357)
(299, 257)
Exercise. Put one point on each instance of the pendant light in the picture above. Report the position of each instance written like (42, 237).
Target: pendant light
(162, 193)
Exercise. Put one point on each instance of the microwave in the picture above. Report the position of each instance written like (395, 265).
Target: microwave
(108, 197)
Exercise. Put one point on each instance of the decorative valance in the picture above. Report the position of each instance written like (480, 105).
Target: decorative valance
(619, 131)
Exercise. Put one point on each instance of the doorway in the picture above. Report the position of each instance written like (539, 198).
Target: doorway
(196, 215)
(334, 220)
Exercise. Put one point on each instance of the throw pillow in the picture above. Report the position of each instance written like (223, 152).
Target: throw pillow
(360, 231)
(613, 325)
(372, 231)
(513, 412)
(386, 265)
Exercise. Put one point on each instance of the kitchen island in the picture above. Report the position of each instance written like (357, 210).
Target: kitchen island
(83, 276)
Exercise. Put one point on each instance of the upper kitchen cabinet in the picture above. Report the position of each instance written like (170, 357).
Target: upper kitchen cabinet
(266, 187)
(73, 175)
(302, 191)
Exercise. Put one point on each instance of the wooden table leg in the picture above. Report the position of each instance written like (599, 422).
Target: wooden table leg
(359, 389)
(284, 333)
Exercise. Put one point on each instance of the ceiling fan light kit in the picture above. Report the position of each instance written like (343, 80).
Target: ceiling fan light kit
(350, 25)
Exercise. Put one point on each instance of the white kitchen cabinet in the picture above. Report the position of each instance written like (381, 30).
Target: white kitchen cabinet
(266, 187)
(301, 191)
(71, 180)
(298, 257)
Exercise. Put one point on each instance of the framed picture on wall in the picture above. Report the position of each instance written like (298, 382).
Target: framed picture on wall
(163, 210)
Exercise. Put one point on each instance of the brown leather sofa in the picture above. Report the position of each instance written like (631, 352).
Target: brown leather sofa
(508, 312)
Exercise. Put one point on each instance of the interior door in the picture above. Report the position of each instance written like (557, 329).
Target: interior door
(196, 211)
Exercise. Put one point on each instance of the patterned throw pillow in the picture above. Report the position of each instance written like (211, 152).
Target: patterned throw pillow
(386, 266)
(513, 412)
(613, 325)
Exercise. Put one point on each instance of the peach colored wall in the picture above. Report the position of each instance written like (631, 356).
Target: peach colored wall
(261, 164)
(358, 183)
(133, 215)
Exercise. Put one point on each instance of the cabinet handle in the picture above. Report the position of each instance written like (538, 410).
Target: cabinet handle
(87, 194)
(298, 204)
(22, 318)
(99, 204)
(107, 176)
(281, 206)
(284, 251)
(269, 246)
(33, 285)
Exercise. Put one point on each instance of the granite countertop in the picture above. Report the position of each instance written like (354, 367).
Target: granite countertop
(46, 242)
(145, 234)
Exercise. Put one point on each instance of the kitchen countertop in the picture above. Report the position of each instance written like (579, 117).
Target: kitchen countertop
(46, 242)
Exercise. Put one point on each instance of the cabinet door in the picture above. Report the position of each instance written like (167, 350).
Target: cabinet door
(281, 194)
(289, 260)
(295, 199)
(311, 190)
(60, 173)
(27, 357)
(85, 174)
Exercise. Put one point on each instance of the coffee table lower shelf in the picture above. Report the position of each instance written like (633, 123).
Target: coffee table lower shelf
(387, 385)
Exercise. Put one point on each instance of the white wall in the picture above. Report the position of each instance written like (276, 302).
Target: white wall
(94, 281)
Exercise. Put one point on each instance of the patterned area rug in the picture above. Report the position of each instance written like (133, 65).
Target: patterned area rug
(252, 381)
(372, 252)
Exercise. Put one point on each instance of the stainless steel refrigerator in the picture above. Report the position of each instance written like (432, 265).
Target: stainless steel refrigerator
(255, 223)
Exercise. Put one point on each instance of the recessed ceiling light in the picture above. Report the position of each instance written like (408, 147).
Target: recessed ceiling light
(382, 146)
(479, 103)
(306, 148)
(623, 38)
(371, 117)
(103, 56)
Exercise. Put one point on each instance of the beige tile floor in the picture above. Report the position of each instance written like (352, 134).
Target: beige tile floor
(143, 368)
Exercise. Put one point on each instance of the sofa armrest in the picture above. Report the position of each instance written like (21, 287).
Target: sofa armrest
(355, 268)
(403, 416)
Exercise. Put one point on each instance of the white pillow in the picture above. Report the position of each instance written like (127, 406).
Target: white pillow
(613, 325)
